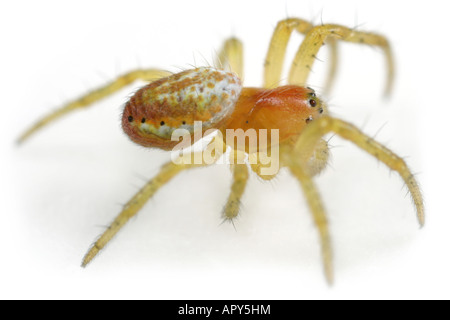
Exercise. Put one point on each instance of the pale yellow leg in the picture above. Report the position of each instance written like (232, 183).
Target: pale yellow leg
(317, 210)
(232, 55)
(319, 158)
(94, 96)
(315, 130)
(277, 50)
(257, 165)
(240, 178)
(317, 36)
(332, 71)
(167, 172)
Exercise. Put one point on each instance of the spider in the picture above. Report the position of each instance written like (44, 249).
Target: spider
(217, 98)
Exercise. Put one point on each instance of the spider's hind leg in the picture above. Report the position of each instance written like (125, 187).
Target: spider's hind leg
(232, 56)
(94, 96)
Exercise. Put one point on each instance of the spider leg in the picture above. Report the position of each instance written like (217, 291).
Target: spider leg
(231, 55)
(277, 50)
(317, 210)
(317, 36)
(94, 96)
(314, 131)
(167, 172)
(332, 71)
(240, 178)
(319, 158)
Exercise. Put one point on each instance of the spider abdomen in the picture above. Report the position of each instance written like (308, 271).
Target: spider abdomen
(155, 111)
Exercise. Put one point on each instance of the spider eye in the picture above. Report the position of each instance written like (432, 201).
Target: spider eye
(130, 118)
(312, 102)
(309, 119)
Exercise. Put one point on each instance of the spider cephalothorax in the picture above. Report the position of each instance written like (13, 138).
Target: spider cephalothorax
(292, 116)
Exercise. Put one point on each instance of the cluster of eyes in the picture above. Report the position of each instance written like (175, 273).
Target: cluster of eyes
(313, 103)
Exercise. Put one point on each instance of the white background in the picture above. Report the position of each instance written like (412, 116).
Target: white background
(61, 188)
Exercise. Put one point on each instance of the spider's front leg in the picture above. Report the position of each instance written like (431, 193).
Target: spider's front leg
(300, 171)
(304, 169)
(298, 159)
(317, 36)
(310, 136)
(318, 159)
(94, 96)
(277, 51)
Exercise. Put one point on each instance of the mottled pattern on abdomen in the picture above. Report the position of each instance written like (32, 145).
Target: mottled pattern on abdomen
(175, 102)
